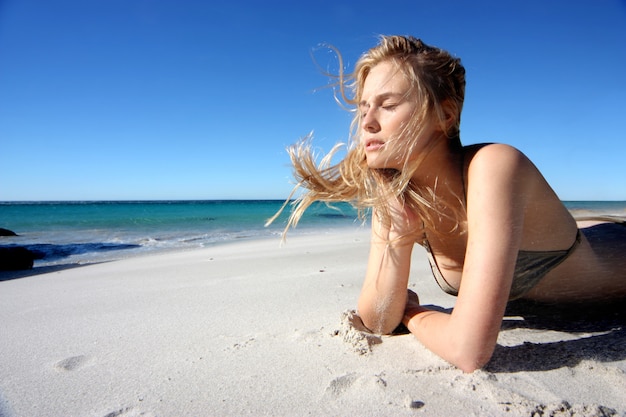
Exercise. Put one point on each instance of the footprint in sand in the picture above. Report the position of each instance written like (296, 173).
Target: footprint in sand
(340, 384)
(72, 363)
(129, 412)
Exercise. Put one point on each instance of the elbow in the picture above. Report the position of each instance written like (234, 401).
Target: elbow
(376, 325)
(469, 362)
(469, 366)
(375, 322)
(471, 351)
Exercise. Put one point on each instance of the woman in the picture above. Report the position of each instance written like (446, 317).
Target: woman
(493, 228)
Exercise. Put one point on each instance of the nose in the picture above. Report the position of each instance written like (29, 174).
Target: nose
(369, 123)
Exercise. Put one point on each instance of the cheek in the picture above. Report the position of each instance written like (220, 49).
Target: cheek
(402, 119)
(396, 125)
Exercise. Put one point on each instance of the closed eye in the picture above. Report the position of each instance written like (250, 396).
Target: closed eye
(363, 110)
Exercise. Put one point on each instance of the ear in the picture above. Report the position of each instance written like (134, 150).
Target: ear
(450, 114)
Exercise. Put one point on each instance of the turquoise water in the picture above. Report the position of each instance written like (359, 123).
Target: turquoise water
(73, 232)
(590, 208)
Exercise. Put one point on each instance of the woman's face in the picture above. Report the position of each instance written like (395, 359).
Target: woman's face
(386, 107)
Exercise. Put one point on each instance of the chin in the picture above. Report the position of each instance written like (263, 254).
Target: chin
(381, 163)
(374, 164)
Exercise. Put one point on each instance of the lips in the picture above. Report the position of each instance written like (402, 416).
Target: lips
(373, 145)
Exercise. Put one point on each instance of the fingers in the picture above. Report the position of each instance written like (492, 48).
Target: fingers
(413, 297)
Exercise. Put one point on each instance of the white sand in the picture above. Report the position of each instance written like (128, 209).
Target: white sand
(250, 328)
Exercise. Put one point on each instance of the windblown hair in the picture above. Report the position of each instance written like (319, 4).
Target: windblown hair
(437, 83)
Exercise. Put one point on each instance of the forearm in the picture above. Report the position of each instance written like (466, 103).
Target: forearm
(384, 294)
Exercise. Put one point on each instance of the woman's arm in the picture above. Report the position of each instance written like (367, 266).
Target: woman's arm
(384, 294)
(500, 179)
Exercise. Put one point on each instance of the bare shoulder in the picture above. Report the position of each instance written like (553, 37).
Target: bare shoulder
(499, 165)
(494, 157)
(503, 179)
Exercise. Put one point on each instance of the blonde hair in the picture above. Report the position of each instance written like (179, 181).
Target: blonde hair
(437, 83)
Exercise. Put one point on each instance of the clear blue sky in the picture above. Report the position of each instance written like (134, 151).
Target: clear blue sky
(175, 99)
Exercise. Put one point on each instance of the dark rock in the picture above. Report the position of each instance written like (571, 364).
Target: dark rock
(15, 258)
(7, 232)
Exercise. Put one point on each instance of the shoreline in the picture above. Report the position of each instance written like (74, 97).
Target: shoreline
(253, 328)
(116, 251)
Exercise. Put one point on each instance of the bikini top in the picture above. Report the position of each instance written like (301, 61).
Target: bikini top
(530, 268)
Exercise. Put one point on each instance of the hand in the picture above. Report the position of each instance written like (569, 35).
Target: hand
(399, 225)
(403, 220)
(412, 306)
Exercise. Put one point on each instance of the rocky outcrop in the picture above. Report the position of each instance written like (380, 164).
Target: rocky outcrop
(15, 258)
(7, 232)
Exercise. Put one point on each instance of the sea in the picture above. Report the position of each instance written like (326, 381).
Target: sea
(78, 232)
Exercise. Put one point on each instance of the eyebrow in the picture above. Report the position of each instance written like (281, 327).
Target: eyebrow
(382, 96)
